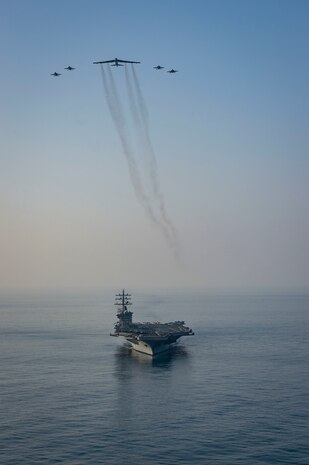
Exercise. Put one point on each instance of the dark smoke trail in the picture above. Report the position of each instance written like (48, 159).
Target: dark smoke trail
(143, 117)
(132, 102)
(140, 116)
(141, 100)
(142, 120)
(138, 119)
(119, 121)
(115, 107)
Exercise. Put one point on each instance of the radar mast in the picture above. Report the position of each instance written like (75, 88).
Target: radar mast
(122, 301)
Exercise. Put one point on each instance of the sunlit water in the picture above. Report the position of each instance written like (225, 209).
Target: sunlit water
(235, 393)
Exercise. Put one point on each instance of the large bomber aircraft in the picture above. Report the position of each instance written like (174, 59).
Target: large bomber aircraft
(158, 67)
(115, 61)
(172, 71)
(69, 68)
(55, 74)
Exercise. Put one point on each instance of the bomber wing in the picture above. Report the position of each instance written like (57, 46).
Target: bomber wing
(126, 61)
(99, 62)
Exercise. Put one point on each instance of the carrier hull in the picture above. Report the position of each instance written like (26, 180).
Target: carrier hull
(148, 338)
(147, 349)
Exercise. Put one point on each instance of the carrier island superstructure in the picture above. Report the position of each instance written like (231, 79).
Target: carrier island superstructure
(148, 338)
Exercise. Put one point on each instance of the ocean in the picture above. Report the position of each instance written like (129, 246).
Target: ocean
(235, 393)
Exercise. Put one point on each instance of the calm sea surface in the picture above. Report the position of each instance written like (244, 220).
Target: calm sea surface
(235, 393)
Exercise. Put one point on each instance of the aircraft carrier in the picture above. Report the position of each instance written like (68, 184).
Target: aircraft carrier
(148, 338)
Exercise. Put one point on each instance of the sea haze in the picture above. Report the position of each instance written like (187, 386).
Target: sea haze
(235, 393)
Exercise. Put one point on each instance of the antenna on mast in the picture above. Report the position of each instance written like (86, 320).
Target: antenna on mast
(122, 301)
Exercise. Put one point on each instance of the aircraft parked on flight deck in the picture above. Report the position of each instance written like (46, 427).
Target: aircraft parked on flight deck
(115, 61)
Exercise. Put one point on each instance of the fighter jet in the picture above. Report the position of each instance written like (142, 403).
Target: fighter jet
(172, 71)
(115, 61)
(158, 67)
(69, 68)
(56, 74)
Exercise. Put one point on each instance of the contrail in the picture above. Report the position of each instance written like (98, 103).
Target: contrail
(140, 114)
(119, 121)
(132, 102)
(117, 113)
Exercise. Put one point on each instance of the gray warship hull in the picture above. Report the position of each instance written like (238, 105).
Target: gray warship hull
(152, 344)
(148, 338)
(150, 349)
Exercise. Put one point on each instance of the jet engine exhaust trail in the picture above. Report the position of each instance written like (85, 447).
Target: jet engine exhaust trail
(140, 114)
(115, 107)
(116, 112)
(132, 102)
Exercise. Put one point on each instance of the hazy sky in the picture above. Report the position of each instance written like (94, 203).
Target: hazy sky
(229, 130)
